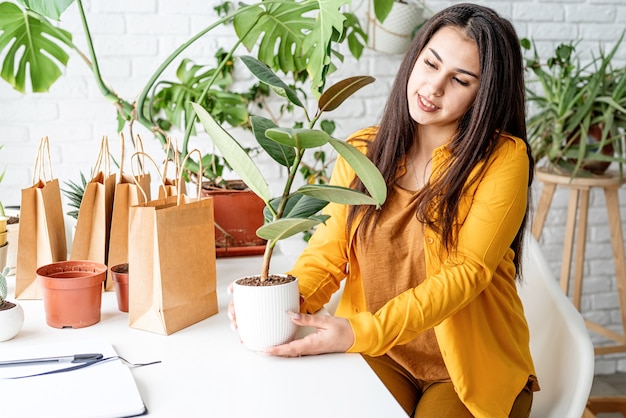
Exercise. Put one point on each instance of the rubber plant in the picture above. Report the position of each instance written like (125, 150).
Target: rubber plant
(295, 210)
(296, 37)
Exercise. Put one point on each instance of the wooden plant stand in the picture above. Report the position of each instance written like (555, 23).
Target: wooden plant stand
(579, 204)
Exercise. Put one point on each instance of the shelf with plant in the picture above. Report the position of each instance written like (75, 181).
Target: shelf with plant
(577, 110)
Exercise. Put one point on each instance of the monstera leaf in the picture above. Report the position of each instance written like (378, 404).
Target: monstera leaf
(23, 37)
(291, 37)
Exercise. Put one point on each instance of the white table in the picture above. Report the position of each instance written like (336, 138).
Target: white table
(205, 371)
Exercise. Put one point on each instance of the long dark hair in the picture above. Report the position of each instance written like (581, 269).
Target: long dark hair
(499, 107)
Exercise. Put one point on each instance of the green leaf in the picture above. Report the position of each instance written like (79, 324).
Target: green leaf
(236, 156)
(32, 49)
(298, 138)
(317, 43)
(337, 194)
(382, 8)
(52, 9)
(336, 94)
(298, 206)
(286, 227)
(292, 37)
(267, 76)
(282, 154)
(364, 169)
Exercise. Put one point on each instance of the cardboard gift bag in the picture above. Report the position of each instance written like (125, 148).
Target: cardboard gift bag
(41, 236)
(172, 277)
(128, 192)
(91, 238)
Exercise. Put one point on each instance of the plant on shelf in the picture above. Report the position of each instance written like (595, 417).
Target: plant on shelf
(392, 24)
(11, 313)
(578, 111)
(34, 48)
(293, 211)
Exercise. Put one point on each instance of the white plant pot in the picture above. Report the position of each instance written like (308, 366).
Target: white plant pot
(263, 314)
(11, 322)
(394, 35)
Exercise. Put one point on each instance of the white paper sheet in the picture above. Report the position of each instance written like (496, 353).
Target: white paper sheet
(102, 390)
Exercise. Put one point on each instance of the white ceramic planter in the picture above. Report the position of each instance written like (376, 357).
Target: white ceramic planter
(11, 322)
(263, 314)
(393, 36)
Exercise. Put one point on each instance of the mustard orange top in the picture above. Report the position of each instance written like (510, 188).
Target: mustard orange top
(470, 298)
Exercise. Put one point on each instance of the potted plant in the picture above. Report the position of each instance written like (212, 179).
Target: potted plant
(11, 313)
(258, 309)
(578, 111)
(264, 26)
(120, 279)
(391, 24)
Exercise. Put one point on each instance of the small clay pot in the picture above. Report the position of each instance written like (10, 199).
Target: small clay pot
(72, 292)
(120, 279)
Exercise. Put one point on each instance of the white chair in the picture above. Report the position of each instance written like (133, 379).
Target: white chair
(559, 340)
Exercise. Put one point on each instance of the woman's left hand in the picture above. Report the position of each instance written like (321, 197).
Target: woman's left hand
(333, 335)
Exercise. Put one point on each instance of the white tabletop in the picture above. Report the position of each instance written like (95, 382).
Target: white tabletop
(205, 371)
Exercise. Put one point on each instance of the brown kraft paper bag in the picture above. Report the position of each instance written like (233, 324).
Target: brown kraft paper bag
(128, 192)
(172, 276)
(91, 238)
(41, 236)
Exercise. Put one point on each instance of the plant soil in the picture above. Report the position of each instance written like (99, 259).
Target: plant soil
(13, 220)
(272, 280)
(122, 268)
(6, 305)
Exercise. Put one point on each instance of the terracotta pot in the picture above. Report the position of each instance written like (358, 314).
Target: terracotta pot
(120, 280)
(239, 213)
(262, 313)
(72, 292)
(594, 137)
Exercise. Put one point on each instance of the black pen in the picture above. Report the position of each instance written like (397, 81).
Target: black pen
(76, 358)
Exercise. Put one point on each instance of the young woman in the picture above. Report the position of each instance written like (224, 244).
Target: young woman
(430, 297)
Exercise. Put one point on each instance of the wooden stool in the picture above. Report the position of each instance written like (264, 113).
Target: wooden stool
(579, 203)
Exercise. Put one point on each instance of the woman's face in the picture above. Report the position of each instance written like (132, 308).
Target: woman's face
(444, 81)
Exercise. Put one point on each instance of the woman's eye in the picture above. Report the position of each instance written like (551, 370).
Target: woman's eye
(461, 82)
(429, 63)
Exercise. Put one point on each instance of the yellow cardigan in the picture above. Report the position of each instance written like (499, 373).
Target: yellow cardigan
(469, 298)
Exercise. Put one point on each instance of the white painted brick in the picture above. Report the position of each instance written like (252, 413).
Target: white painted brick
(590, 13)
(530, 12)
(157, 25)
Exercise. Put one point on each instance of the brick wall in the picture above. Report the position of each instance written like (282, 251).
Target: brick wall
(133, 37)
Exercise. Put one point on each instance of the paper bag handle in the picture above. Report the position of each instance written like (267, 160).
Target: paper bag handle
(103, 162)
(138, 147)
(43, 156)
(132, 169)
(180, 178)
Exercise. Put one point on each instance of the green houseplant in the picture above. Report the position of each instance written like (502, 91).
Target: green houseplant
(34, 49)
(293, 211)
(578, 111)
